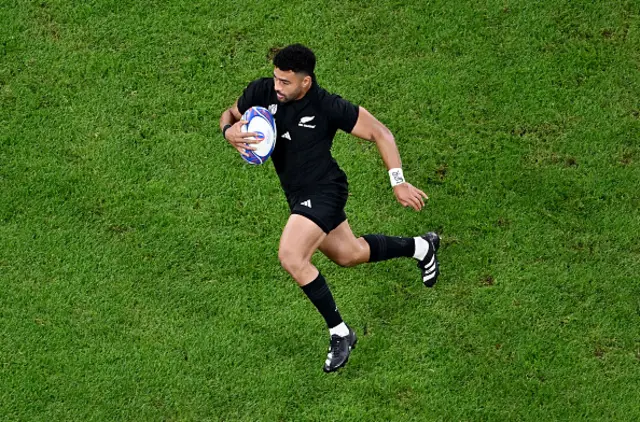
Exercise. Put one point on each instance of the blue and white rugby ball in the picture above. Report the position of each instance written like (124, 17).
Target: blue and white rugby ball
(261, 121)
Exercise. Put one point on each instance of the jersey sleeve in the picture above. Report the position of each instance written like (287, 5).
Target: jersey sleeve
(254, 95)
(342, 113)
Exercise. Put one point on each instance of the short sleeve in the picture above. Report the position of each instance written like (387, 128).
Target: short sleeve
(342, 113)
(253, 95)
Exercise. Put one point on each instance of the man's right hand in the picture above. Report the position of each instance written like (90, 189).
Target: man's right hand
(241, 140)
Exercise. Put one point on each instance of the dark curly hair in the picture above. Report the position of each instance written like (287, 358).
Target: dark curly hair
(295, 57)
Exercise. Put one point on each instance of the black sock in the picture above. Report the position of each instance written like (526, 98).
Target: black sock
(319, 294)
(387, 247)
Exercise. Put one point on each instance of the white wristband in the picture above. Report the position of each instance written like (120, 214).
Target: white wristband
(396, 177)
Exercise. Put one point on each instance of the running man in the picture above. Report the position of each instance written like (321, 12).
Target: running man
(307, 118)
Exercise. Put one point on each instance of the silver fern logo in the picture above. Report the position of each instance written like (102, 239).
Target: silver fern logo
(305, 120)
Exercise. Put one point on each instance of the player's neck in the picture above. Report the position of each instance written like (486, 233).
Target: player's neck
(304, 92)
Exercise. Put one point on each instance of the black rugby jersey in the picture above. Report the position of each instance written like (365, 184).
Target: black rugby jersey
(306, 128)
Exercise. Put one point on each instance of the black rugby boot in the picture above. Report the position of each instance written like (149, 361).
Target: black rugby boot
(429, 265)
(339, 351)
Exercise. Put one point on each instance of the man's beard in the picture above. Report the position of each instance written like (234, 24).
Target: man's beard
(286, 99)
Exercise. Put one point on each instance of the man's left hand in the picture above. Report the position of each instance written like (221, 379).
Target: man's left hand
(410, 196)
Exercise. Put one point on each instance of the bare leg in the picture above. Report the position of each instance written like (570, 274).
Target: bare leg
(342, 247)
(301, 237)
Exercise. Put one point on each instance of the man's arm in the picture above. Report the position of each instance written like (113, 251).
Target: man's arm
(233, 119)
(371, 129)
(230, 116)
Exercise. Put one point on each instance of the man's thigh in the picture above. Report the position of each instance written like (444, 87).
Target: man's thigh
(300, 238)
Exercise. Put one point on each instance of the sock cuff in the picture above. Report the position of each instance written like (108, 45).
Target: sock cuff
(383, 247)
(317, 288)
(377, 244)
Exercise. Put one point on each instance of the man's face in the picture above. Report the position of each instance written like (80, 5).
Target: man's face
(289, 85)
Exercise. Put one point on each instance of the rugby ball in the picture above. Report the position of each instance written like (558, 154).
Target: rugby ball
(261, 121)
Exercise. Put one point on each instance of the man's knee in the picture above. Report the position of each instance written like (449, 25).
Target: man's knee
(291, 261)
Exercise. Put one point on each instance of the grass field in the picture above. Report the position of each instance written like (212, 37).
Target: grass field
(139, 278)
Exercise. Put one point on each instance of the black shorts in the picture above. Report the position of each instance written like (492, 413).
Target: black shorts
(324, 205)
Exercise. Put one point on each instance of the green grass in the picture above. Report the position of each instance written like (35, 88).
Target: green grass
(139, 277)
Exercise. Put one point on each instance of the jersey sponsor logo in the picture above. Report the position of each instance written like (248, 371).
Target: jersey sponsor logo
(286, 136)
(305, 120)
(273, 108)
(306, 203)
